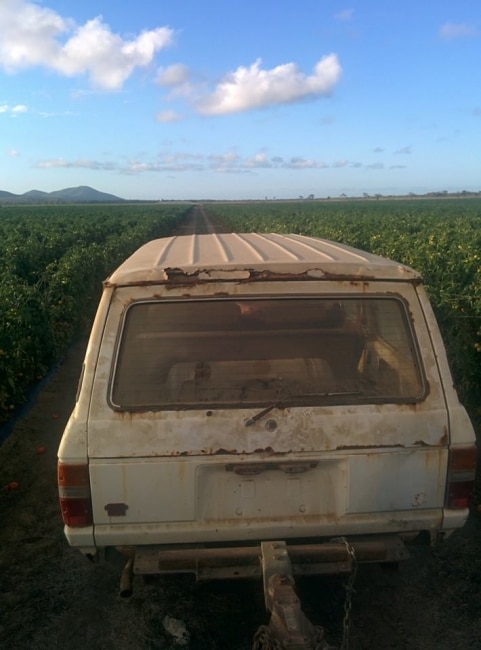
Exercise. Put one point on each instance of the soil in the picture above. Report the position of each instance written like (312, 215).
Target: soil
(51, 597)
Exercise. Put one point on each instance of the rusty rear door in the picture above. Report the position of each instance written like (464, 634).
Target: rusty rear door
(266, 411)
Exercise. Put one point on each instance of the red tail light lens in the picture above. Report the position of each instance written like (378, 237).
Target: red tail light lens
(461, 475)
(74, 495)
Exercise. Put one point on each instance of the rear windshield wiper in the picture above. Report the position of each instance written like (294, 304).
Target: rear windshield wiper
(281, 400)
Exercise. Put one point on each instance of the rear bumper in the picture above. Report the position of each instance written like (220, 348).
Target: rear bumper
(434, 524)
(323, 558)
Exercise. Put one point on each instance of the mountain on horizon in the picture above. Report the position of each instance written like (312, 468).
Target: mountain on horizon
(81, 194)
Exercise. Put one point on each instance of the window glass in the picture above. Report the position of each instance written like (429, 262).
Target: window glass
(249, 352)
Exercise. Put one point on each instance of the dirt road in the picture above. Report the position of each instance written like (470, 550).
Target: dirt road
(52, 598)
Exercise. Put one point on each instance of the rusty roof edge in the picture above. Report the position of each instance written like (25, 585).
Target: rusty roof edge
(229, 254)
(309, 273)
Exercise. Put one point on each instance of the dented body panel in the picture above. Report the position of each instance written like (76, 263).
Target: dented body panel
(239, 388)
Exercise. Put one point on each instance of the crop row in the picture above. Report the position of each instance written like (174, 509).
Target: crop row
(52, 262)
(439, 238)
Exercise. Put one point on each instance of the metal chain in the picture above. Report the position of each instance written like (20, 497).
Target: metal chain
(264, 640)
(349, 588)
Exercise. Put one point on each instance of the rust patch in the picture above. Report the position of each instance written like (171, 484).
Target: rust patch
(445, 437)
(126, 415)
(267, 450)
(443, 441)
(178, 276)
(350, 447)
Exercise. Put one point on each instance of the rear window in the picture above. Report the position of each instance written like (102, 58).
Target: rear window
(252, 352)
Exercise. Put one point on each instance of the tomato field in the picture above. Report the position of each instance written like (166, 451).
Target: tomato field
(52, 262)
(53, 259)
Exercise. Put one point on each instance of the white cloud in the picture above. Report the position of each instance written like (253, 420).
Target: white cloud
(452, 31)
(13, 153)
(53, 164)
(14, 110)
(258, 160)
(61, 163)
(228, 158)
(168, 116)
(250, 88)
(228, 162)
(177, 77)
(30, 36)
(297, 162)
(173, 75)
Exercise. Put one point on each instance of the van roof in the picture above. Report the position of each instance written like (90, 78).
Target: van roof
(243, 256)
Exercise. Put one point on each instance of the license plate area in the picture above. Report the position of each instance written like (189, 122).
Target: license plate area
(271, 490)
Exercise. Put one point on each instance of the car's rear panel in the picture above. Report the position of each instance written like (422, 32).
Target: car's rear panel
(256, 401)
(327, 467)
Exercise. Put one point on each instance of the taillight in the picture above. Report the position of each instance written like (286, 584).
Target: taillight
(74, 494)
(461, 474)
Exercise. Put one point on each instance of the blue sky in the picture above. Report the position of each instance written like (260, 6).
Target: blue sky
(194, 99)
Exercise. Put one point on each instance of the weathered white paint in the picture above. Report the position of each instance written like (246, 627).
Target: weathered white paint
(371, 468)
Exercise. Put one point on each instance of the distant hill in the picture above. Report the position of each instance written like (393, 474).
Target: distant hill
(33, 195)
(82, 194)
(7, 195)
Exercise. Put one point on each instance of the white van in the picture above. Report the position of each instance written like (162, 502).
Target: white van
(239, 388)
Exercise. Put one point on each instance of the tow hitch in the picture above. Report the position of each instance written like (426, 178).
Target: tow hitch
(277, 562)
(289, 628)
